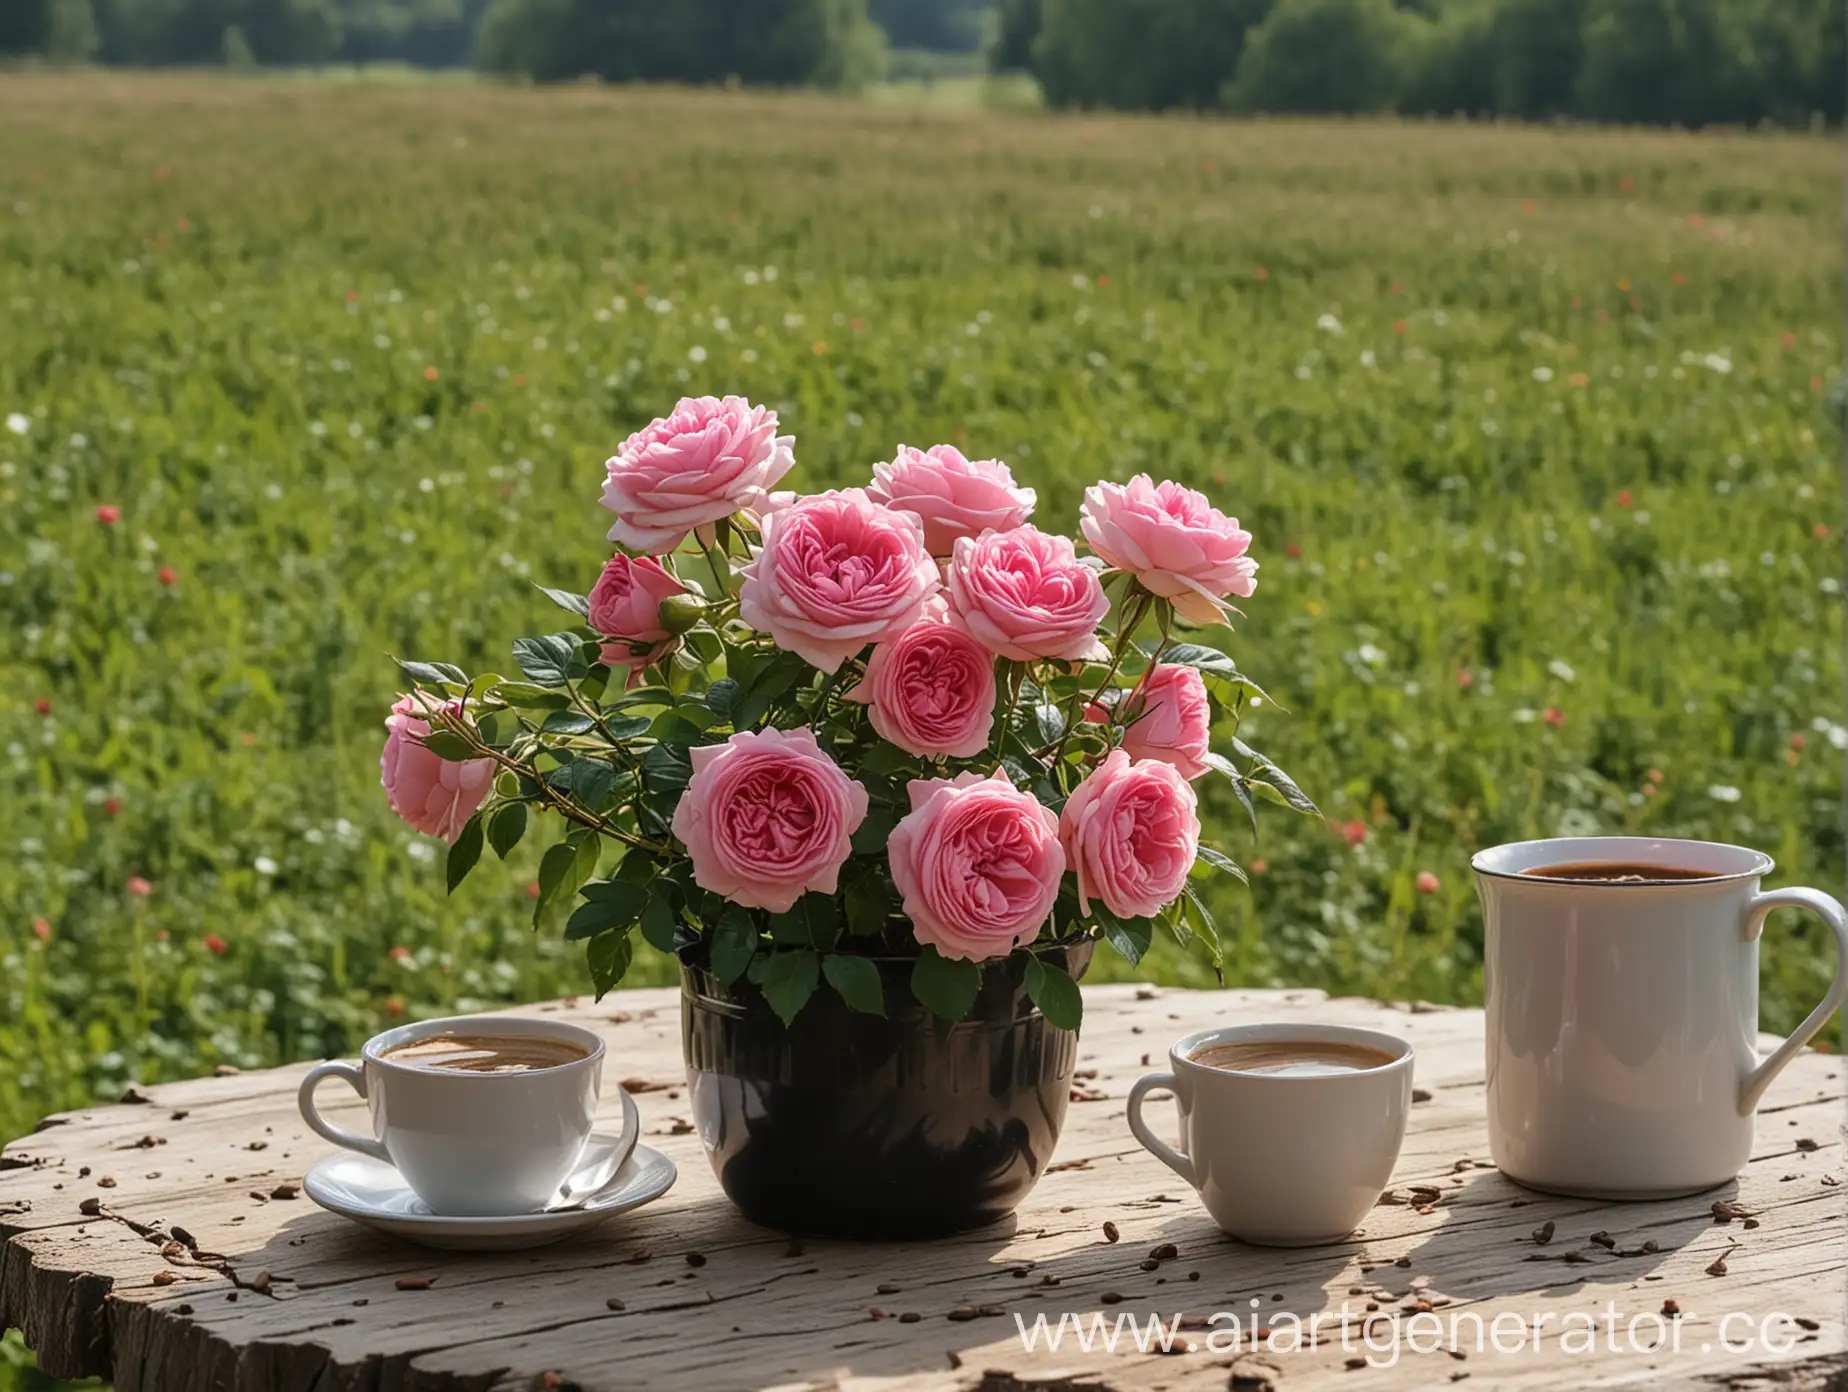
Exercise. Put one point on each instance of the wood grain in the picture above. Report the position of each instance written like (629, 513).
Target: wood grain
(184, 1274)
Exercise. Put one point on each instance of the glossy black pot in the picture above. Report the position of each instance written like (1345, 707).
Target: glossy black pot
(849, 1125)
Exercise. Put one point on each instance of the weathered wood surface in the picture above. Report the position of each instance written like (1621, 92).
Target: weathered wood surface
(304, 1301)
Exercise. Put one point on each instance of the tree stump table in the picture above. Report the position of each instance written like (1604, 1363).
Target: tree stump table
(165, 1243)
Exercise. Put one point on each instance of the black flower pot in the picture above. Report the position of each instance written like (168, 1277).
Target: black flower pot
(849, 1125)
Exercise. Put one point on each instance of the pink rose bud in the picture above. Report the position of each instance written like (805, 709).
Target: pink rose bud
(931, 691)
(1175, 719)
(1428, 883)
(436, 796)
(837, 572)
(768, 817)
(977, 863)
(1177, 544)
(956, 497)
(1024, 594)
(108, 514)
(707, 460)
(1131, 833)
(625, 604)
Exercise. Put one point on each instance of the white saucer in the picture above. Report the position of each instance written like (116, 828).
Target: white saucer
(374, 1193)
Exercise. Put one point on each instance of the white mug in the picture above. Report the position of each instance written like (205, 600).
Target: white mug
(1283, 1160)
(471, 1144)
(1623, 1018)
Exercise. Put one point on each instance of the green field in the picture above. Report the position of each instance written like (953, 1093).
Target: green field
(1533, 427)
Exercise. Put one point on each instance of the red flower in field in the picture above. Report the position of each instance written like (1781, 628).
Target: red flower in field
(1527, 205)
(1579, 379)
(169, 576)
(112, 806)
(1397, 288)
(430, 373)
(1677, 279)
(41, 929)
(1259, 866)
(1428, 883)
(1398, 326)
(401, 954)
(519, 379)
(1649, 790)
(630, 175)
(1815, 384)
(139, 887)
(393, 1006)
(1635, 303)
(1627, 184)
(1790, 339)
(1464, 680)
(1259, 273)
(1577, 303)
(1103, 280)
(1623, 498)
(215, 945)
(506, 490)
(1820, 531)
(161, 935)
(857, 324)
(182, 226)
(640, 290)
(1553, 716)
(532, 890)
(42, 705)
(352, 297)
(1799, 741)
(1654, 775)
(108, 514)
(1206, 166)
(1292, 550)
(163, 172)
(1354, 833)
(1693, 219)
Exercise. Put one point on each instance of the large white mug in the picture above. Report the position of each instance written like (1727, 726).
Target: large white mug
(471, 1144)
(1283, 1159)
(1623, 1017)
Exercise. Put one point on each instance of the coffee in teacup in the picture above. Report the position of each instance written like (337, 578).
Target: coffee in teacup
(486, 1053)
(1292, 1058)
(1619, 872)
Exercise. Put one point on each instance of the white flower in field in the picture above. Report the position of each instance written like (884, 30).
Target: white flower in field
(750, 277)
(314, 836)
(1302, 372)
(1561, 670)
(1079, 282)
(1367, 358)
(1524, 716)
(1328, 324)
(1723, 792)
(265, 866)
(317, 428)
(603, 316)
(749, 355)
(381, 340)
(1543, 374)
(18, 422)
(421, 850)
(720, 324)
(792, 321)
(1718, 363)
(1838, 736)
(1830, 585)
(696, 354)
(1370, 655)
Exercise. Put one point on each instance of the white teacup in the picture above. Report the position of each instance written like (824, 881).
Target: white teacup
(471, 1144)
(1284, 1159)
(1623, 1017)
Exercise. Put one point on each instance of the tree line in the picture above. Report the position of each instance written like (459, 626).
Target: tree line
(1670, 62)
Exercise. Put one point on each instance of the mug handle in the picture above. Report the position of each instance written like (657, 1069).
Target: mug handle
(339, 1135)
(1181, 1164)
(1830, 911)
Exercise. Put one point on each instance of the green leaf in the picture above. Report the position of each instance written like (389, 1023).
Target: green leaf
(1055, 993)
(1209, 930)
(765, 687)
(812, 921)
(722, 697)
(857, 981)
(1219, 860)
(869, 902)
(1129, 936)
(590, 781)
(946, 987)
(447, 744)
(870, 837)
(667, 769)
(1277, 779)
(562, 870)
(734, 941)
(660, 924)
(627, 727)
(609, 955)
(506, 827)
(433, 673)
(676, 727)
(564, 599)
(613, 904)
(643, 696)
(547, 661)
(592, 687)
(789, 980)
(526, 696)
(565, 722)
(886, 757)
(1049, 720)
(464, 852)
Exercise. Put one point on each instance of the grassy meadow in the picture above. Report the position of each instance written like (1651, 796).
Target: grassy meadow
(1533, 427)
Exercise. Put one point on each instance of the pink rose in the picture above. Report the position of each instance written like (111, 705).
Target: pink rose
(1130, 831)
(977, 863)
(835, 573)
(1177, 544)
(931, 691)
(1024, 594)
(703, 463)
(956, 497)
(1174, 722)
(768, 817)
(436, 796)
(626, 604)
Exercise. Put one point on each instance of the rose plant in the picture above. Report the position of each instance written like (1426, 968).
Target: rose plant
(890, 721)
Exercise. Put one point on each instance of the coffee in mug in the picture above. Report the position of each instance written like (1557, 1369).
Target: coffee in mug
(1620, 977)
(486, 1053)
(1288, 1132)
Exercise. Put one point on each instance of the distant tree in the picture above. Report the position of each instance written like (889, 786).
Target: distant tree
(1669, 62)
(1538, 47)
(24, 25)
(1452, 70)
(943, 26)
(829, 43)
(72, 37)
(1325, 55)
(1141, 55)
(1017, 25)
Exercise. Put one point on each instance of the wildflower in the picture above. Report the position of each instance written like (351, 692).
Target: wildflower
(1579, 379)
(1292, 550)
(1723, 792)
(393, 1006)
(1678, 279)
(1553, 716)
(1396, 288)
(215, 945)
(1790, 339)
(1327, 323)
(1627, 184)
(1428, 883)
(139, 887)
(41, 929)
(1654, 775)
(1398, 326)
(112, 806)
(1259, 273)
(401, 954)
(1624, 499)
(1354, 833)
(108, 514)
(42, 705)
(18, 422)
(1259, 866)
(1464, 679)
(1799, 741)
(532, 890)
(1820, 531)
(169, 576)
(1527, 205)
(163, 172)
(430, 373)
(1103, 280)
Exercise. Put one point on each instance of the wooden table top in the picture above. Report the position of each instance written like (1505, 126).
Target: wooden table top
(109, 1217)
